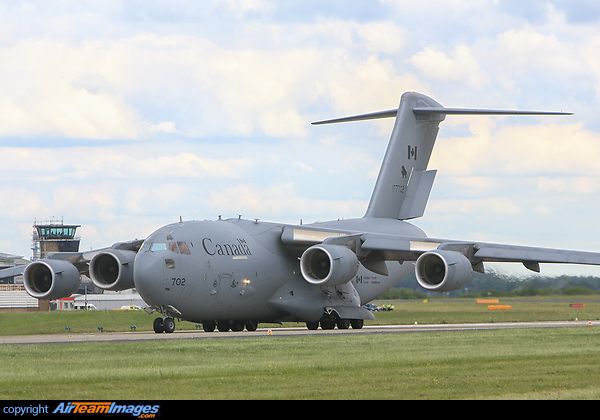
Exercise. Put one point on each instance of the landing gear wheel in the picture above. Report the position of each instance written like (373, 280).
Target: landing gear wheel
(327, 324)
(237, 326)
(251, 325)
(158, 325)
(208, 326)
(223, 325)
(312, 325)
(169, 325)
(357, 324)
(343, 324)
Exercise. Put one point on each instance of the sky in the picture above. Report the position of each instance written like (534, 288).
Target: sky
(123, 116)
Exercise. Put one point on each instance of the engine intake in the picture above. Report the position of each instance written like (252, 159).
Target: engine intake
(51, 279)
(328, 265)
(443, 271)
(113, 269)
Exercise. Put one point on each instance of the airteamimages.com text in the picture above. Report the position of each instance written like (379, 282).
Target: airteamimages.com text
(141, 411)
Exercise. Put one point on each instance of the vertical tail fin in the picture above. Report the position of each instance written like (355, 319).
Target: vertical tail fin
(404, 183)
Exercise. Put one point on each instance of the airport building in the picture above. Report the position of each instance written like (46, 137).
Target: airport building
(127, 299)
(53, 236)
(14, 296)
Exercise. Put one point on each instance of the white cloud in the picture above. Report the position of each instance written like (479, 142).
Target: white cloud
(462, 67)
(382, 37)
(99, 89)
(560, 149)
(44, 96)
(491, 206)
(591, 53)
(23, 203)
(118, 162)
(246, 5)
(530, 51)
(164, 127)
(280, 200)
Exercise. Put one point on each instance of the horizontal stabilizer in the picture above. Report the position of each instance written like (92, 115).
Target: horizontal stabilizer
(371, 116)
(467, 111)
(439, 110)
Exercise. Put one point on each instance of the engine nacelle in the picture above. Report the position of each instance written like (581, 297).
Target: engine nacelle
(328, 265)
(443, 271)
(113, 269)
(51, 279)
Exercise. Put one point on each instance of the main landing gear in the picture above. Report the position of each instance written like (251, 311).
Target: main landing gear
(330, 324)
(167, 325)
(224, 325)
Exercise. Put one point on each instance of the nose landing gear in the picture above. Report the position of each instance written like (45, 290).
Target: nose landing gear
(166, 325)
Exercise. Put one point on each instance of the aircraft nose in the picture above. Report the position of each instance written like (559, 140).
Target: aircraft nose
(148, 274)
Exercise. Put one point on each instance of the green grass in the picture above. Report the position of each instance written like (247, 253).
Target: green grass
(435, 311)
(57, 322)
(561, 363)
(451, 311)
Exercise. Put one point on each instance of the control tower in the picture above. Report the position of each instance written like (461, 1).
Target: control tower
(53, 236)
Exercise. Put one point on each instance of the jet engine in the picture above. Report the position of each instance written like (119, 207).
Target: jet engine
(113, 269)
(51, 279)
(328, 265)
(443, 271)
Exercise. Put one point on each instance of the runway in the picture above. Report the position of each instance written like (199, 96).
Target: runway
(277, 332)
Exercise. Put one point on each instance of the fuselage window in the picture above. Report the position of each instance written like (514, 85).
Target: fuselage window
(172, 246)
(170, 263)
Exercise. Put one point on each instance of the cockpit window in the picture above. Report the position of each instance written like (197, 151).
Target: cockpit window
(158, 246)
(183, 248)
(176, 247)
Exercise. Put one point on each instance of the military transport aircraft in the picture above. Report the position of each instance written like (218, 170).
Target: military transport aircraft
(232, 274)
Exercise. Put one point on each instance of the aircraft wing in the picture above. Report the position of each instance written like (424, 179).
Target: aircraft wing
(79, 259)
(133, 245)
(410, 249)
(12, 271)
(514, 253)
(373, 248)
